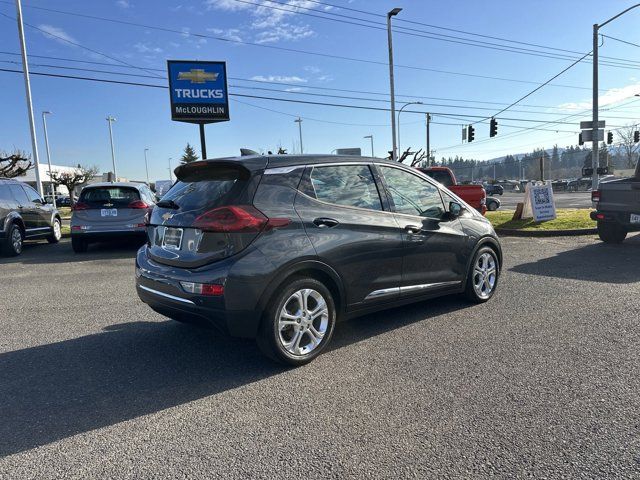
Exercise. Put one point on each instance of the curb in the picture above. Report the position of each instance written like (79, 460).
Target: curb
(507, 232)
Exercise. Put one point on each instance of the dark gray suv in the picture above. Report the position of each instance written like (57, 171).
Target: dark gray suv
(24, 215)
(278, 248)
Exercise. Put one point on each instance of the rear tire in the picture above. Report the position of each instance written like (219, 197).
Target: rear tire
(56, 233)
(15, 240)
(493, 206)
(79, 245)
(610, 232)
(298, 322)
(483, 276)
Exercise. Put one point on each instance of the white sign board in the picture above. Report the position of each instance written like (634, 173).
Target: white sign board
(539, 203)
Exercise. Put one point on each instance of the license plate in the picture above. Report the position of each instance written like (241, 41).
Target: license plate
(634, 218)
(172, 238)
(109, 212)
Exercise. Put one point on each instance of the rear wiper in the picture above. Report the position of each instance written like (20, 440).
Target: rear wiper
(168, 204)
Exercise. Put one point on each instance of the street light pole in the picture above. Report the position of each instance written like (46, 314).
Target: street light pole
(27, 87)
(110, 120)
(371, 138)
(170, 175)
(394, 151)
(429, 144)
(46, 142)
(399, 112)
(299, 122)
(595, 150)
(146, 165)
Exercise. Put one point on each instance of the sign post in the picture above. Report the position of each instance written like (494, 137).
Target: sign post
(198, 94)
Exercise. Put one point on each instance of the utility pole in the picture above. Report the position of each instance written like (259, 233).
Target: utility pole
(299, 122)
(146, 165)
(429, 144)
(394, 151)
(46, 142)
(27, 87)
(371, 138)
(170, 175)
(110, 120)
(542, 168)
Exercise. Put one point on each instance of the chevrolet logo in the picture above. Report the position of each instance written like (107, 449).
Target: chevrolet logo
(198, 75)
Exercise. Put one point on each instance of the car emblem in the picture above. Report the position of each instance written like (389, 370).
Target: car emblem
(198, 75)
(108, 205)
(167, 216)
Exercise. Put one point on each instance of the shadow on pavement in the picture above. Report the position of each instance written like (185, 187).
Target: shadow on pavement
(596, 262)
(54, 391)
(44, 253)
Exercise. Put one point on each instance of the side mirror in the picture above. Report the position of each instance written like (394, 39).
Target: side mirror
(455, 209)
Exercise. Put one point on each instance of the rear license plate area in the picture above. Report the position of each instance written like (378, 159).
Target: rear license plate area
(635, 218)
(109, 212)
(172, 238)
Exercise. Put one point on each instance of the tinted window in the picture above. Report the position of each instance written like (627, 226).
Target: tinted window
(209, 189)
(413, 195)
(19, 195)
(440, 176)
(32, 194)
(5, 195)
(116, 196)
(350, 185)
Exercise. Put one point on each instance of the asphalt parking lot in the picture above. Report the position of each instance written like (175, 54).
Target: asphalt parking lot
(540, 382)
(563, 200)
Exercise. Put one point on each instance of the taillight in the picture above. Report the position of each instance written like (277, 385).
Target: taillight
(209, 289)
(80, 206)
(231, 219)
(595, 196)
(138, 204)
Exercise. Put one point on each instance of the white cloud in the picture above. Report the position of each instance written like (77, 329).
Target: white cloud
(273, 22)
(144, 48)
(230, 33)
(56, 34)
(312, 69)
(279, 78)
(295, 89)
(613, 95)
(124, 4)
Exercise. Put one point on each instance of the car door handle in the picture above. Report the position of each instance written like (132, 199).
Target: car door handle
(413, 229)
(323, 222)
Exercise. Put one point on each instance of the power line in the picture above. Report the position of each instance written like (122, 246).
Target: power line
(620, 40)
(292, 50)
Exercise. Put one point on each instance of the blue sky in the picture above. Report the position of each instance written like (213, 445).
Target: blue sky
(78, 130)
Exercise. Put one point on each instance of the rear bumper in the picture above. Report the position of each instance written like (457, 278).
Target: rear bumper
(621, 218)
(96, 236)
(159, 287)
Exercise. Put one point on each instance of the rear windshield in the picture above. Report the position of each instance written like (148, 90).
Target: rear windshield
(440, 176)
(116, 196)
(208, 189)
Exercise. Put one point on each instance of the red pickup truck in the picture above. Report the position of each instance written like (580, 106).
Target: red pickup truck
(474, 195)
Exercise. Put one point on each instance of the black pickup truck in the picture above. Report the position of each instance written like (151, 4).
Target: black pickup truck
(617, 207)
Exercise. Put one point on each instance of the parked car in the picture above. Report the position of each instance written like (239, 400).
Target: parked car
(474, 195)
(278, 248)
(617, 207)
(493, 204)
(493, 189)
(110, 210)
(24, 215)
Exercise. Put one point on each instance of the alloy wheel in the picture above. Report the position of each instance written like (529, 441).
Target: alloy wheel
(303, 322)
(16, 240)
(485, 273)
(57, 232)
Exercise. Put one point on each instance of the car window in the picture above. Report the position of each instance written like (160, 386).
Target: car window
(5, 195)
(440, 176)
(411, 194)
(348, 185)
(116, 196)
(19, 195)
(32, 194)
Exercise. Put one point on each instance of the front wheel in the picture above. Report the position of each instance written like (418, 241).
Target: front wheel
(493, 206)
(482, 279)
(56, 232)
(610, 232)
(298, 322)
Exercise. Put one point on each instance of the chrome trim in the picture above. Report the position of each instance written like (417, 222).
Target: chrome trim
(281, 170)
(382, 293)
(166, 295)
(428, 286)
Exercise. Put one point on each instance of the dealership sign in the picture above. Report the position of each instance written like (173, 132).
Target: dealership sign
(198, 91)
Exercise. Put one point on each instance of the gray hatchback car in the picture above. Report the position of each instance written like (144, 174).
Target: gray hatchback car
(110, 210)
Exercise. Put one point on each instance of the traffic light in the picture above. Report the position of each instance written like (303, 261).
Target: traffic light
(580, 141)
(471, 133)
(493, 128)
(636, 136)
(609, 138)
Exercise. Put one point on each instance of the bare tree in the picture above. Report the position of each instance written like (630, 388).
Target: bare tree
(628, 148)
(72, 179)
(14, 165)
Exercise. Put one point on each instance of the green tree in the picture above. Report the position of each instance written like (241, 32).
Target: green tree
(189, 154)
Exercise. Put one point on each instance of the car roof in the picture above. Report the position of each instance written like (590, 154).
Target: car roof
(115, 184)
(259, 162)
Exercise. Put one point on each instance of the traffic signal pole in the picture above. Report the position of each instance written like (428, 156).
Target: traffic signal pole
(594, 132)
